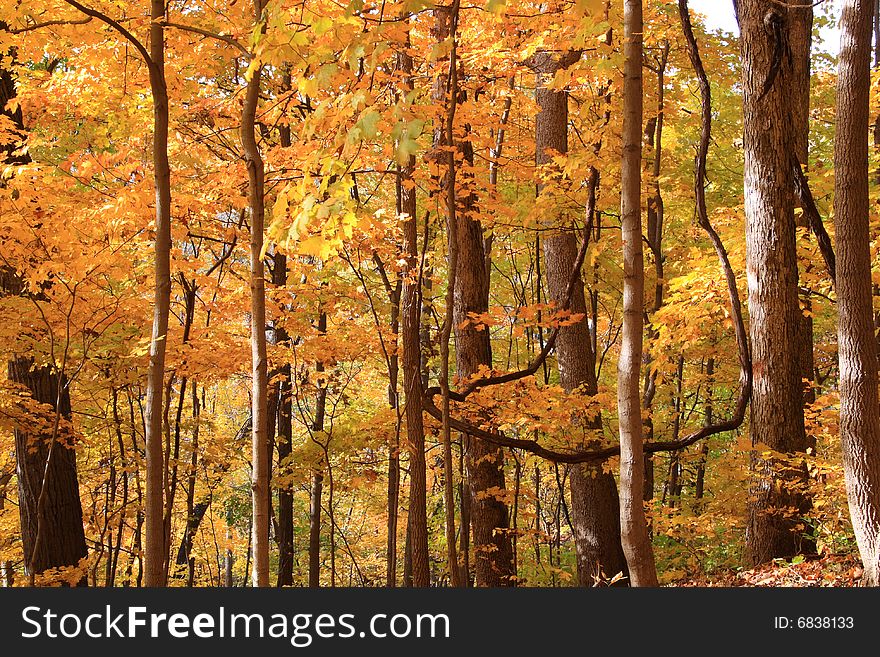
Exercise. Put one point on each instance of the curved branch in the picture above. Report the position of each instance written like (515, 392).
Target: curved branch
(808, 203)
(104, 18)
(225, 38)
(744, 351)
(538, 361)
(742, 341)
(39, 26)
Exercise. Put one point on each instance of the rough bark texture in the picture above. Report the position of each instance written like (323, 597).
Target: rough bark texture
(777, 418)
(594, 502)
(58, 518)
(859, 421)
(410, 314)
(633, 524)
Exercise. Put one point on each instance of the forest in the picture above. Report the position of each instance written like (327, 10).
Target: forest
(349, 293)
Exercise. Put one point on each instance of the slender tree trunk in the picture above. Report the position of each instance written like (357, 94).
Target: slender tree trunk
(417, 519)
(493, 557)
(633, 524)
(446, 330)
(284, 430)
(655, 217)
(777, 418)
(154, 534)
(800, 15)
(700, 483)
(857, 355)
(229, 560)
(259, 392)
(315, 530)
(317, 428)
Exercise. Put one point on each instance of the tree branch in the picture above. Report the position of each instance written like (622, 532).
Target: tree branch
(744, 351)
(39, 26)
(535, 365)
(104, 18)
(817, 227)
(225, 38)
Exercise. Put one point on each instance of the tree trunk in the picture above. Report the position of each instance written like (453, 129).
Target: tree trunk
(633, 523)
(777, 418)
(859, 420)
(452, 265)
(700, 483)
(49, 506)
(493, 556)
(154, 534)
(595, 508)
(50, 511)
(800, 14)
(655, 217)
(259, 360)
(315, 530)
(410, 312)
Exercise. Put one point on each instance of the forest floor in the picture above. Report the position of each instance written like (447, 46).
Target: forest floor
(829, 570)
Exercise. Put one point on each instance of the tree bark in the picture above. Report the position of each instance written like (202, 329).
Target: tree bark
(857, 355)
(777, 418)
(633, 523)
(654, 238)
(284, 428)
(410, 312)
(49, 507)
(315, 530)
(800, 14)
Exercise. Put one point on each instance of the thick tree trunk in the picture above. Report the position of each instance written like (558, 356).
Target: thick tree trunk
(777, 418)
(595, 509)
(633, 523)
(859, 420)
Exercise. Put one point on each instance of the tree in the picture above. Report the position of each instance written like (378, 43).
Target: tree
(48, 487)
(777, 418)
(633, 524)
(596, 512)
(260, 399)
(857, 355)
(410, 312)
